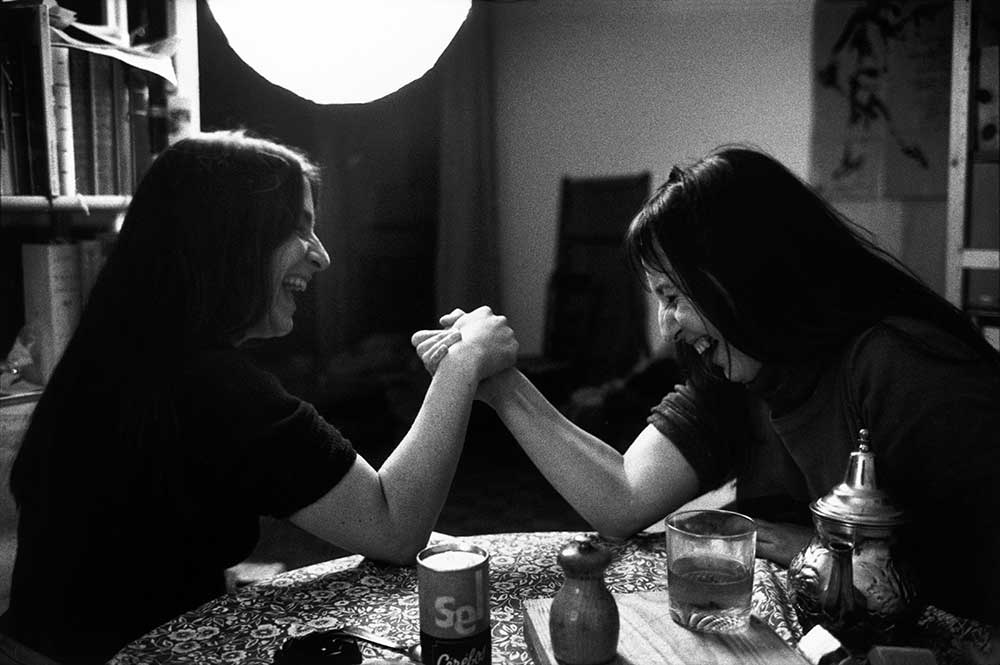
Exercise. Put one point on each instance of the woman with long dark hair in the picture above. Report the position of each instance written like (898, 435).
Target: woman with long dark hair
(157, 444)
(795, 332)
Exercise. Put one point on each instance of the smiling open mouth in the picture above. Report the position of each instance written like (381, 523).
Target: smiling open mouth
(703, 344)
(294, 284)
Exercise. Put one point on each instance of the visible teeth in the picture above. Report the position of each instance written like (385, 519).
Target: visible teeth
(702, 344)
(294, 284)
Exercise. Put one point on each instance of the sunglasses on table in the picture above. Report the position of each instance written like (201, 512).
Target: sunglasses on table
(319, 649)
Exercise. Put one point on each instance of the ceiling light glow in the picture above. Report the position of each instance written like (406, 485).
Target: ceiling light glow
(340, 51)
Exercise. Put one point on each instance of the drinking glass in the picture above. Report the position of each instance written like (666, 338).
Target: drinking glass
(710, 555)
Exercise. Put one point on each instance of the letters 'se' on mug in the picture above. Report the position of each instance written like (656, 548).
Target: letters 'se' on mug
(453, 583)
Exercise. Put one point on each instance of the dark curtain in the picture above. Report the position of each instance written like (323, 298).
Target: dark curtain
(467, 265)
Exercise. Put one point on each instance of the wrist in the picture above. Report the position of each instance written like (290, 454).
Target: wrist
(495, 389)
(462, 359)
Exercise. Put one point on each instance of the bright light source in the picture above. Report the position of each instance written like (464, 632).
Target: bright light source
(340, 51)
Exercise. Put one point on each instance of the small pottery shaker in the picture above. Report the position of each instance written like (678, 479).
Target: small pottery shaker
(583, 620)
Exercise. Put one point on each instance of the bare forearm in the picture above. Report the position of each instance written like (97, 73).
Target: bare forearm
(588, 473)
(416, 477)
(390, 513)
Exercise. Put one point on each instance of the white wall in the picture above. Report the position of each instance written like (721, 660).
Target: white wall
(598, 87)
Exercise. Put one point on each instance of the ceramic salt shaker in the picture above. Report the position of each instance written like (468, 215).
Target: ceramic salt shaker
(583, 620)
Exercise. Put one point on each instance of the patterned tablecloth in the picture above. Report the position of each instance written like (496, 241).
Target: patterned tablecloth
(248, 626)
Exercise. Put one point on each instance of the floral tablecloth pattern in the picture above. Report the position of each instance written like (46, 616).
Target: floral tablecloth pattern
(248, 626)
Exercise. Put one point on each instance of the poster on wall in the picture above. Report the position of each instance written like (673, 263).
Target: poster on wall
(881, 97)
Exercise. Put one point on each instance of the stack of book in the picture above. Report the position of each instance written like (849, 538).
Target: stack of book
(75, 114)
(58, 278)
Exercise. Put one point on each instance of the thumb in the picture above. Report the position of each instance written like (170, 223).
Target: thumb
(449, 319)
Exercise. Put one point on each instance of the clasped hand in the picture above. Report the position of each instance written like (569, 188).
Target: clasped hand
(480, 332)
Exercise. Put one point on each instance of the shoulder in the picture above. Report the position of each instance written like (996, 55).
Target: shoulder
(906, 356)
(899, 338)
(226, 377)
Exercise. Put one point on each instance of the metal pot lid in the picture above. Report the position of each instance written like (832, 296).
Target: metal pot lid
(858, 500)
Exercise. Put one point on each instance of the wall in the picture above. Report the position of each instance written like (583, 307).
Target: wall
(596, 87)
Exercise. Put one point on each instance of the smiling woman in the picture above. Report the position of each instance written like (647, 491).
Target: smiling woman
(189, 443)
(343, 52)
(293, 265)
(795, 332)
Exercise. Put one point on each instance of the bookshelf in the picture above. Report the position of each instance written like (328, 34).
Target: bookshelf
(80, 126)
(89, 94)
(972, 278)
(87, 100)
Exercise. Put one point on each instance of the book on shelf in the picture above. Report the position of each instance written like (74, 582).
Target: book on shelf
(61, 102)
(84, 148)
(26, 54)
(51, 277)
(142, 151)
(122, 127)
(75, 114)
(109, 113)
(102, 110)
(158, 125)
(8, 184)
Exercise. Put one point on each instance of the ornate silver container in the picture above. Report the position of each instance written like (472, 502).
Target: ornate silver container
(849, 578)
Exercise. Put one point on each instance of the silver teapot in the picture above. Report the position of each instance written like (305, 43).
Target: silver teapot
(849, 578)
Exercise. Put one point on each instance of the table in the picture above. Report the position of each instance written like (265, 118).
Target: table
(249, 625)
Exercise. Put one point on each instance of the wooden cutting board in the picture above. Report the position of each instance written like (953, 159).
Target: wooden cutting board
(648, 636)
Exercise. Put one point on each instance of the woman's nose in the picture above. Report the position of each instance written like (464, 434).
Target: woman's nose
(317, 254)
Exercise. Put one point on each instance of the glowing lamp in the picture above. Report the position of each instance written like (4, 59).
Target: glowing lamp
(340, 51)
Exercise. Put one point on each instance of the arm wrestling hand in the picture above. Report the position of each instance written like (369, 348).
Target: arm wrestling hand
(432, 345)
(488, 338)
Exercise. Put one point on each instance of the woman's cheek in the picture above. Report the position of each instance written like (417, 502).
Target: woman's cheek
(663, 318)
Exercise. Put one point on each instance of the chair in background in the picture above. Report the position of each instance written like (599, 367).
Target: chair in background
(595, 325)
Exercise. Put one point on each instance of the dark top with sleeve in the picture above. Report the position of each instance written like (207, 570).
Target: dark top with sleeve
(117, 547)
(933, 411)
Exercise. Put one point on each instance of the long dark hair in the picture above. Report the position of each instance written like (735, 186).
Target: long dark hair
(190, 270)
(780, 273)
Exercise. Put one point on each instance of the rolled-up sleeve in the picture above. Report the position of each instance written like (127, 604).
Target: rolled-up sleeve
(684, 417)
(251, 443)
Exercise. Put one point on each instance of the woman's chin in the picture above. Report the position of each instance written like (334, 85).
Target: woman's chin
(272, 329)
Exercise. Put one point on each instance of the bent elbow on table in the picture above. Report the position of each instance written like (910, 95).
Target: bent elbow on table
(616, 530)
(398, 554)
(618, 520)
(372, 536)
(357, 515)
